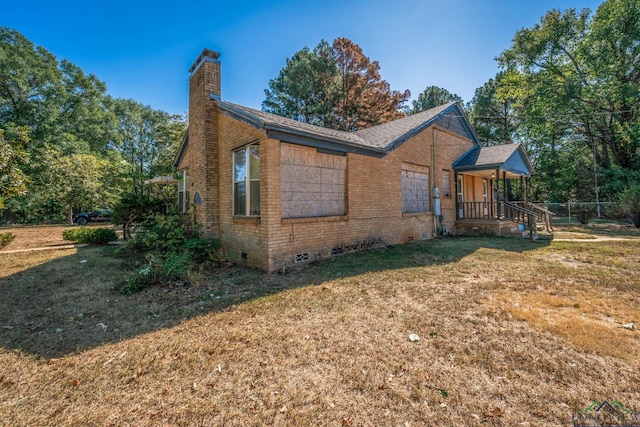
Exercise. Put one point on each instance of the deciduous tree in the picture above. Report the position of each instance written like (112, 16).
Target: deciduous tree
(492, 114)
(77, 181)
(13, 181)
(144, 137)
(334, 86)
(580, 82)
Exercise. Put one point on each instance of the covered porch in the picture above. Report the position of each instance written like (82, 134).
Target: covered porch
(492, 193)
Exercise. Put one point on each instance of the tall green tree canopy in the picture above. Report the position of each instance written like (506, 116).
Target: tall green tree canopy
(306, 88)
(431, 97)
(491, 114)
(77, 181)
(334, 86)
(13, 157)
(54, 116)
(55, 100)
(146, 140)
(576, 79)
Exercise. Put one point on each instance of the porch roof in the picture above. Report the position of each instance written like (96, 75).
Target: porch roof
(484, 161)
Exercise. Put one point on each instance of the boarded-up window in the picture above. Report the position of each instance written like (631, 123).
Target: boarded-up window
(446, 183)
(312, 184)
(415, 188)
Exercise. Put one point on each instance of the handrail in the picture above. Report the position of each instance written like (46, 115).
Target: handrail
(498, 210)
(525, 216)
(541, 212)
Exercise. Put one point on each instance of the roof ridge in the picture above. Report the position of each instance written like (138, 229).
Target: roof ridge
(380, 139)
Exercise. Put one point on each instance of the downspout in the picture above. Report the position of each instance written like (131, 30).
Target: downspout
(433, 179)
(457, 207)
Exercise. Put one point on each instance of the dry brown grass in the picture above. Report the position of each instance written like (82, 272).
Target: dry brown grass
(28, 237)
(512, 333)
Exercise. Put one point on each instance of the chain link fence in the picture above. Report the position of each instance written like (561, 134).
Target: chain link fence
(584, 211)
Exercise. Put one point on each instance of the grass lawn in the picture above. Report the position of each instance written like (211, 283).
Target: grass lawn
(512, 332)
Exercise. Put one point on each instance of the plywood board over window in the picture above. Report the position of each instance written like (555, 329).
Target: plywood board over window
(313, 183)
(415, 188)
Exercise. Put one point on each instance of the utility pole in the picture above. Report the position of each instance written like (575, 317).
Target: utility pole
(595, 178)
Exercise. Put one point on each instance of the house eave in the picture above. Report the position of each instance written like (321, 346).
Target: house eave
(310, 140)
(300, 137)
(182, 150)
(242, 116)
(491, 167)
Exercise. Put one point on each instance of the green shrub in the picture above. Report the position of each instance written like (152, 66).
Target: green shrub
(173, 248)
(202, 249)
(135, 210)
(6, 238)
(90, 235)
(159, 269)
(630, 199)
(163, 233)
(140, 279)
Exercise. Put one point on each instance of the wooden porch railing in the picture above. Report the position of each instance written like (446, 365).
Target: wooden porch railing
(541, 213)
(501, 210)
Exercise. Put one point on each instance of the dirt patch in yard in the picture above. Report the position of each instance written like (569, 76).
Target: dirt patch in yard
(32, 237)
(29, 237)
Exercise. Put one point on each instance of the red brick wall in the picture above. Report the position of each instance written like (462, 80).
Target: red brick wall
(374, 199)
(202, 154)
(241, 235)
(374, 204)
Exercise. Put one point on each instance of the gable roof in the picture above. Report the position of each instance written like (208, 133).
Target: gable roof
(507, 157)
(392, 134)
(376, 141)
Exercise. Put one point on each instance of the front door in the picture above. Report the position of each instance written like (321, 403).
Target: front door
(485, 197)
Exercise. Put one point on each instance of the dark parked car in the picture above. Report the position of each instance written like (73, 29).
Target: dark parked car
(102, 215)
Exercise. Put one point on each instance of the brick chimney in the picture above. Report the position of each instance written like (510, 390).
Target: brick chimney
(204, 84)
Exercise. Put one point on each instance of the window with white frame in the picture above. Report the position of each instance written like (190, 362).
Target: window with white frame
(183, 191)
(415, 188)
(246, 181)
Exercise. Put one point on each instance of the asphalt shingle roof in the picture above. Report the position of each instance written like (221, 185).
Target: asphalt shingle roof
(507, 156)
(486, 156)
(381, 138)
(386, 134)
(270, 120)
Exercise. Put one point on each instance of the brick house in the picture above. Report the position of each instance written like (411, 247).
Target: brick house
(278, 192)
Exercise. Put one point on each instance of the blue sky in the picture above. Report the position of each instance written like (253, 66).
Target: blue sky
(143, 50)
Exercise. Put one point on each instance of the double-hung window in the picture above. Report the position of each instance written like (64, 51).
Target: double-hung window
(183, 191)
(246, 181)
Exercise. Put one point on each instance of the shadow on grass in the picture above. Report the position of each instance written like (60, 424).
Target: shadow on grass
(72, 303)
